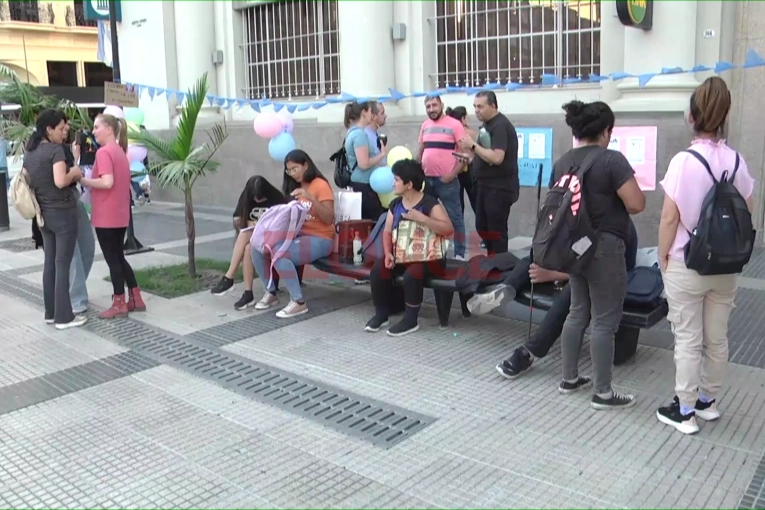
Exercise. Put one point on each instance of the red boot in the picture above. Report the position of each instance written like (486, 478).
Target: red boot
(136, 304)
(119, 308)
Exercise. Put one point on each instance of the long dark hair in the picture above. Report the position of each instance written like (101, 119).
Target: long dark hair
(46, 119)
(312, 172)
(588, 120)
(458, 112)
(259, 188)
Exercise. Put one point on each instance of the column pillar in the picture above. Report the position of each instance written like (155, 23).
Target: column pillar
(670, 43)
(194, 43)
(366, 47)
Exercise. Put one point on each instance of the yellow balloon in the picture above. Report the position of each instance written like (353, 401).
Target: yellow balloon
(386, 198)
(397, 154)
(132, 126)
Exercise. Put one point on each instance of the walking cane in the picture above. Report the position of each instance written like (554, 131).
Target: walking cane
(539, 200)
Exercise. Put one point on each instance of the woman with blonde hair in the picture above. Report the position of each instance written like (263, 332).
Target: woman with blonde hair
(699, 306)
(110, 185)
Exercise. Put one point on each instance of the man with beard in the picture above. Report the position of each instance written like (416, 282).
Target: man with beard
(439, 137)
(495, 169)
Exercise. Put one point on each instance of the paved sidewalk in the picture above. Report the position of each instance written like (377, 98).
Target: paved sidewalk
(195, 405)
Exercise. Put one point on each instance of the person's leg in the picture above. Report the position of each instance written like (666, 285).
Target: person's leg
(381, 282)
(263, 271)
(573, 333)
(111, 247)
(718, 305)
(449, 195)
(481, 218)
(86, 241)
(248, 274)
(303, 250)
(65, 229)
(237, 257)
(516, 280)
(607, 278)
(49, 273)
(468, 185)
(497, 204)
(414, 276)
(78, 289)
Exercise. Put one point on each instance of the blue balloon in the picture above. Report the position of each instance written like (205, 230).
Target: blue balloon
(281, 145)
(381, 180)
(137, 167)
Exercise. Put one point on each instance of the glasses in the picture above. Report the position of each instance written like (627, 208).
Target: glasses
(291, 170)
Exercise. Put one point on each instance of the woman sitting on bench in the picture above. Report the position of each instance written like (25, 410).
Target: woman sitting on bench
(412, 205)
(257, 196)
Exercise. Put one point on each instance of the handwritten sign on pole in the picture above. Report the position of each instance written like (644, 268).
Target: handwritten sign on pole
(119, 94)
(534, 147)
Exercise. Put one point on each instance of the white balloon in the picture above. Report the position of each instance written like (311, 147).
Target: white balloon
(114, 111)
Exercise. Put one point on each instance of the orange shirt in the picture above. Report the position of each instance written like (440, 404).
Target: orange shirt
(313, 226)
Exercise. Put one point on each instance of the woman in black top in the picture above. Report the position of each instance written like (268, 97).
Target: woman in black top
(50, 178)
(257, 196)
(411, 204)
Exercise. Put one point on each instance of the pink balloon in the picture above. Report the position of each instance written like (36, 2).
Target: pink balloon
(288, 124)
(114, 111)
(136, 153)
(268, 125)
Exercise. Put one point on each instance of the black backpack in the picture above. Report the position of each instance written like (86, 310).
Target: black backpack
(723, 239)
(564, 239)
(342, 170)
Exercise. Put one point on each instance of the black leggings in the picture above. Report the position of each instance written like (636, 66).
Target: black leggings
(111, 241)
(381, 280)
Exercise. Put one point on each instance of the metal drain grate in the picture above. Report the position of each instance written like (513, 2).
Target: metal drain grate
(18, 245)
(373, 421)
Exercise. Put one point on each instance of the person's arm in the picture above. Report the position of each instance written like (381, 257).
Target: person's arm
(499, 144)
(323, 204)
(625, 184)
(360, 144)
(670, 219)
(632, 196)
(388, 234)
(104, 168)
(459, 164)
(421, 145)
(61, 178)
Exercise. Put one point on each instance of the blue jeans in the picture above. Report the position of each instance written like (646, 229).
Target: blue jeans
(449, 195)
(303, 250)
(82, 262)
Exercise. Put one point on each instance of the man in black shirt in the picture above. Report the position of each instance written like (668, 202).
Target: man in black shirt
(495, 170)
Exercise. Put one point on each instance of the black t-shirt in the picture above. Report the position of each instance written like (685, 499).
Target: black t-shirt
(502, 135)
(425, 206)
(609, 172)
(253, 210)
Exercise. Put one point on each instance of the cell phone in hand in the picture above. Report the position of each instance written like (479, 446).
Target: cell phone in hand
(460, 156)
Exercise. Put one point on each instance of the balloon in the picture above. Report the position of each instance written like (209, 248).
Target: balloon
(397, 154)
(132, 126)
(136, 153)
(114, 111)
(386, 198)
(280, 146)
(287, 122)
(137, 167)
(268, 125)
(381, 180)
(134, 115)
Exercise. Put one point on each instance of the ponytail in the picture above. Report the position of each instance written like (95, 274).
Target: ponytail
(34, 141)
(122, 134)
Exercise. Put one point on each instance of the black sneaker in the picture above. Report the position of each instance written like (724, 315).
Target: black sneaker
(515, 365)
(403, 328)
(671, 415)
(570, 387)
(617, 401)
(707, 411)
(224, 285)
(245, 301)
(362, 281)
(375, 324)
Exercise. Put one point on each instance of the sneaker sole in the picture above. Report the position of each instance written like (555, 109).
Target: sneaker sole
(259, 306)
(504, 374)
(416, 328)
(606, 407)
(564, 391)
(49, 321)
(296, 314)
(245, 307)
(219, 294)
(70, 325)
(708, 416)
(680, 427)
(369, 329)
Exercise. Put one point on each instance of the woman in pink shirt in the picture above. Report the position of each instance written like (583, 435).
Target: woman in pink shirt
(699, 306)
(110, 199)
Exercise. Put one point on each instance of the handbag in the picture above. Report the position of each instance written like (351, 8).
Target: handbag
(414, 242)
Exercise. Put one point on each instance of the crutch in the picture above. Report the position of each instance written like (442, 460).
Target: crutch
(539, 204)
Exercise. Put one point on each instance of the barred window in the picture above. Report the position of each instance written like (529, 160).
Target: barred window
(291, 49)
(518, 41)
(79, 15)
(25, 10)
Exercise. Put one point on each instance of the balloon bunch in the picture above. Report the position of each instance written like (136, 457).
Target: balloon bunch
(381, 179)
(278, 128)
(136, 153)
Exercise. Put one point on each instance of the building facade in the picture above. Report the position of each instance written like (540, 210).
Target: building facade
(301, 51)
(49, 43)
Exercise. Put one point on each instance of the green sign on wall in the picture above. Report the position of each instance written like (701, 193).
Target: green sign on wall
(98, 10)
(635, 13)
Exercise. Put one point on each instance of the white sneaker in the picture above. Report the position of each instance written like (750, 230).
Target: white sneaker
(707, 411)
(267, 301)
(481, 304)
(293, 309)
(78, 321)
(49, 321)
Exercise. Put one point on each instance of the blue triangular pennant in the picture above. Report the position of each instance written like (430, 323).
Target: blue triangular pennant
(382, 99)
(334, 99)
(319, 105)
(596, 78)
(220, 101)
(550, 79)
(141, 89)
(151, 91)
(453, 90)
(347, 98)
(303, 107)
(180, 96)
(723, 66)
(210, 99)
(278, 106)
(241, 103)
(571, 81)
(753, 59)
(672, 70)
(493, 86)
(643, 79)
(396, 95)
(230, 103)
(291, 108)
(620, 75)
(699, 69)
(512, 86)
(419, 94)
(255, 106)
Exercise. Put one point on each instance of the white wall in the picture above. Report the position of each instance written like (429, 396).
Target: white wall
(677, 39)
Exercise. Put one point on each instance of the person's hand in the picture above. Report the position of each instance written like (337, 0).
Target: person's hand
(76, 174)
(663, 262)
(466, 144)
(76, 152)
(389, 261)
(302, 194)
(414, 215)
(539, 274)
(384, 149)
(448, 178)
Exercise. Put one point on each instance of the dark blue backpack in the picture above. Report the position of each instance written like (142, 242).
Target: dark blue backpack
(372, 249)
(644, 286)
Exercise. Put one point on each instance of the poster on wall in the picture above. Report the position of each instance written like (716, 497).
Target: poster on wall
(534, 149)
(638, 144)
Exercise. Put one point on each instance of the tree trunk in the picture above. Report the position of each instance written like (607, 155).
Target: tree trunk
(191, 233)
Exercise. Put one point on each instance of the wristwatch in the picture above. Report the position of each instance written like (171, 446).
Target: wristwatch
(472, 147)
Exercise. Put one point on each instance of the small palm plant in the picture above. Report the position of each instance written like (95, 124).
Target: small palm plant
(20, 124)
(177, 162)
